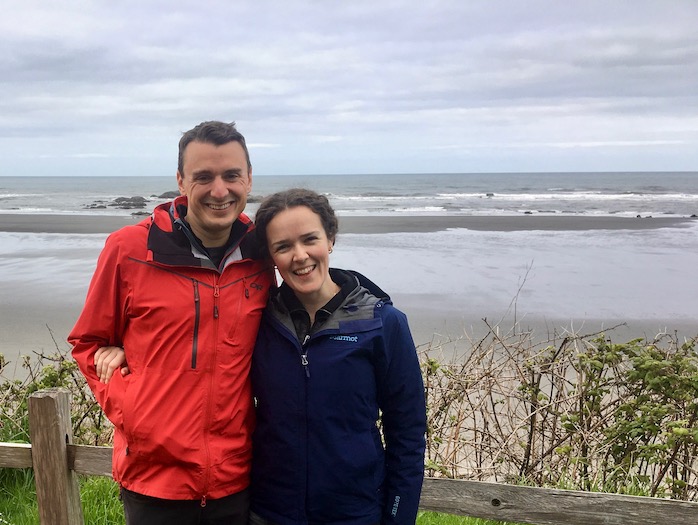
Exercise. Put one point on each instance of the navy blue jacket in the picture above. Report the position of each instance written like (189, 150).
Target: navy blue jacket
(318, 456)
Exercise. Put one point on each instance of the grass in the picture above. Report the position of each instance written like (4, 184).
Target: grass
(18, 506)
(17, 497)
(100, 501)
(435, 518)
(101, 505)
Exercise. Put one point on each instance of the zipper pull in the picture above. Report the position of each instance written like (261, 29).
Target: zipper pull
(216, 295)
(304, 355)
(304, 362)
(203, 501)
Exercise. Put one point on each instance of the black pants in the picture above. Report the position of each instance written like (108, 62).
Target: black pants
(256, 519)
(144, 510)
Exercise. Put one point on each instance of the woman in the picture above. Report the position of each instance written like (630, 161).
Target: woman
(332, 357)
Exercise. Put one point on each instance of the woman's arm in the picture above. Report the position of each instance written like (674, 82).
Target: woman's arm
(401, 399)
(107, 360)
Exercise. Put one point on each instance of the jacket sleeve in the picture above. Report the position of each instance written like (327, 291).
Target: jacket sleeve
(401, 399)
(101, 324)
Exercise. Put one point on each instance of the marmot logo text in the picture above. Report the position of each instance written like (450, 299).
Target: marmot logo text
(347, 338)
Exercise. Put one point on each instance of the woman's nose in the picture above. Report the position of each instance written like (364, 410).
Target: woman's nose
(299, 254)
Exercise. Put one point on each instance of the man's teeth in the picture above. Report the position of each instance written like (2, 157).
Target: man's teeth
(219, 206)
(304, 271)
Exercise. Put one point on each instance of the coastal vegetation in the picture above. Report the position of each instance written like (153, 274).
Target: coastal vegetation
(575, 411)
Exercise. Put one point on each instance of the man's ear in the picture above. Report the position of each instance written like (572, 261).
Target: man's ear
(180, 183)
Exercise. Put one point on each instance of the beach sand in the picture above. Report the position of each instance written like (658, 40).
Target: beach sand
(380, 224)
(37, 311)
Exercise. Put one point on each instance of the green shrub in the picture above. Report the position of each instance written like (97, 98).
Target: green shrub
(576, 411)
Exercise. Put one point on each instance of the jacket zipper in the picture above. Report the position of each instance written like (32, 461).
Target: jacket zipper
(197, 313)
(207, 473)
(304, 361)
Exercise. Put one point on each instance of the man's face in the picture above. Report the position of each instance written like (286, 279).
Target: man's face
(216, 182)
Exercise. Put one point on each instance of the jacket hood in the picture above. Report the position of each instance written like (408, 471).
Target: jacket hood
(171, 240)
(372, 287)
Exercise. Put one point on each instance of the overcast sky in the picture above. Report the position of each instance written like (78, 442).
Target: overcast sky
(380, 86)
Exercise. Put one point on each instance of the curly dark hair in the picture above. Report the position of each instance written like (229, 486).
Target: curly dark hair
(212, 132)
(272, 205)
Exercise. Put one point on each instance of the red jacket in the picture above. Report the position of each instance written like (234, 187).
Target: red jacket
(183, 418)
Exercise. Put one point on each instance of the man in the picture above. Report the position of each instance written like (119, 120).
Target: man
(182, 292)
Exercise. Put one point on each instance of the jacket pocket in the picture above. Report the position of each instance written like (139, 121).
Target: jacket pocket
(163, 417)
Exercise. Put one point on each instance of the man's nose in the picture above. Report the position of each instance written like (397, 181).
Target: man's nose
(218, 188)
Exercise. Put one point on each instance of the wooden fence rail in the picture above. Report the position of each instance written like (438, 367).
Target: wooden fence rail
(57, 461)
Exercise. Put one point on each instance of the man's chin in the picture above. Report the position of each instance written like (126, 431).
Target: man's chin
(222, 222)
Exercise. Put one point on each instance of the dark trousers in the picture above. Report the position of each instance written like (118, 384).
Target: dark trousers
(144, 510)
(256, 519)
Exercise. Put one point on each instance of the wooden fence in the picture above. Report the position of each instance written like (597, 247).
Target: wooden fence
(57, 461)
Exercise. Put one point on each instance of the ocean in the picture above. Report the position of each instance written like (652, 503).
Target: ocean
(447, 282)
(619, 194)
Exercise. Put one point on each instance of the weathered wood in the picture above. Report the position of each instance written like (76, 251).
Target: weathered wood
(93, 461)
(15, 455)
(57, 492)
(541, 506)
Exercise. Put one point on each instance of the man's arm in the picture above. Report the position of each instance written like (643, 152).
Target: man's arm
(101, 324)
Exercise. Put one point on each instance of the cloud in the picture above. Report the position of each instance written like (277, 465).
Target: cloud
(261, 145)
(381, 79)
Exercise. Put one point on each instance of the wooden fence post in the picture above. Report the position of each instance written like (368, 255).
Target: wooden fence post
(57, 489)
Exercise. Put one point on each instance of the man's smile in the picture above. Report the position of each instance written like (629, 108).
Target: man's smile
(219, 206)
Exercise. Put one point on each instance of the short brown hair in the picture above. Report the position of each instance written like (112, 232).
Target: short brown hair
(211, 132)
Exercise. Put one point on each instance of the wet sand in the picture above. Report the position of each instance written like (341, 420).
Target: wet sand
(380, 224)
(44, 285)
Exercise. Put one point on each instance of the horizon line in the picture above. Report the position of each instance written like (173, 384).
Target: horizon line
(382, 174)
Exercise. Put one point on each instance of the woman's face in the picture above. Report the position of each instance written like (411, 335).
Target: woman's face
(299, 246)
